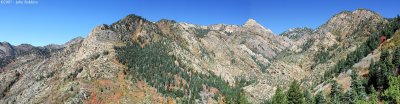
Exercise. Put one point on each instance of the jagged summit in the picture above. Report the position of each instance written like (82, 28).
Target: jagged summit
(253, 25)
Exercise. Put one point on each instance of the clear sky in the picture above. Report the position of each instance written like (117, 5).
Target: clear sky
(42, 22)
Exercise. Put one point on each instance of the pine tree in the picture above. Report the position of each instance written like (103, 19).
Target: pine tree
(308, 97)
(396, 57)
(373, 41)
(279, 97)
(319, 98)
(242, 98)
(375, 74)
(373, 97)
(393, 92)
(350, 96)
(341, 66)
(336, 94)
(294, 94)
(385, 69)
(357, 86)
(388, 61)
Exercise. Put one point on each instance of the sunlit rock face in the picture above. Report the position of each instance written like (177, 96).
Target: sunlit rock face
(85, 70)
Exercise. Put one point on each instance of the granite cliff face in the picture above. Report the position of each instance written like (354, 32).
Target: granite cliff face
(86, 70)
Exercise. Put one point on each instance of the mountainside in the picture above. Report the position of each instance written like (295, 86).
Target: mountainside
(136, 60)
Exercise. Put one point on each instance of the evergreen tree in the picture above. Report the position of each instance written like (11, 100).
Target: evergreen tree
(373, 41)
(357, 86)
(350, 96)
(392, 94)
(388, 61)
(336, 94)
(294, 94)
(319, 98)
(279, 97)
(308, 97)
(373, 97)
(378, 73)
(396, 57)
(350, 60)
(384, 55)
(267, 102)
(242, 98)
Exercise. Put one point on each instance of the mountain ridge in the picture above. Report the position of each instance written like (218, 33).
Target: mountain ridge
(67, 73)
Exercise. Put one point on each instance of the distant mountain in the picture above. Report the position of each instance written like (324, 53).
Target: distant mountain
(136, 60)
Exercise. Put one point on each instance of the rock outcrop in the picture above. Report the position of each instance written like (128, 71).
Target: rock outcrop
(85, 70)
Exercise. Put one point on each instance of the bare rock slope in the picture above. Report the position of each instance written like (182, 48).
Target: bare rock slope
(87, 70)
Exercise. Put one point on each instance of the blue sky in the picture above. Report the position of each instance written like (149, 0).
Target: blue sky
(58, 21)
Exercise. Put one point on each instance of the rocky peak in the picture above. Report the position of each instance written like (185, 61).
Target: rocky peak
(357, 14)
(346, 22)
(132, 27)
(353, 17)
(131, 18)
(129, 24)
(256, 27)
(365, 12)
(252, 23)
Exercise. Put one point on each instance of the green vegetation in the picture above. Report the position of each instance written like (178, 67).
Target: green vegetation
(382, 77)
(279, 97)
(201, 33)
(364, 49)
(381, 85)
(307, 45)
(392, 94)
(336, 95)
(320, 98)
(263, 67)
(321, 57)
(396, 57)
(380, 71)
(295, 94)
(155, 66)
(309, 99)
(357, 87)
